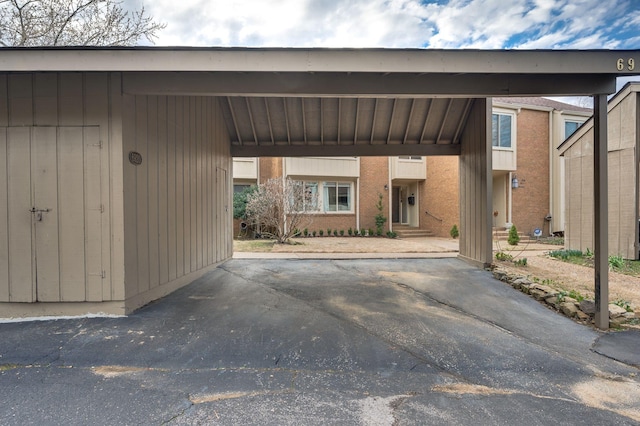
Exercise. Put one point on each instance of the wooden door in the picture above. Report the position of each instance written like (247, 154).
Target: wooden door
(53, 213)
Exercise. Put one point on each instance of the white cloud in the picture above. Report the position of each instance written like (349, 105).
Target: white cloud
(395, 23)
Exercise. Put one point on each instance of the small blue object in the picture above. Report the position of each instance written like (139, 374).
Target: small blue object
(537, 232)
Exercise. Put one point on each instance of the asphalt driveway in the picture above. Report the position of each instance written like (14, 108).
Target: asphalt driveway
(372, 342)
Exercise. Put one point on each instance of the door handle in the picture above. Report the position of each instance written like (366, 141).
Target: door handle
(38, 212)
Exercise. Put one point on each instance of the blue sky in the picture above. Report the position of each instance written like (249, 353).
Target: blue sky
(448, 24)
(483, 24)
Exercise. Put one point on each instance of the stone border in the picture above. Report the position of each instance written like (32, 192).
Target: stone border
(583, 311)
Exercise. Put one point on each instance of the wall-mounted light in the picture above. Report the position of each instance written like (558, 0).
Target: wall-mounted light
(514, 182)
(386, 187)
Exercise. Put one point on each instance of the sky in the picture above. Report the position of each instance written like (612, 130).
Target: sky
(435, 24)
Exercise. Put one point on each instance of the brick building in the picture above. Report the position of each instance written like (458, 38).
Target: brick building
(422, 193)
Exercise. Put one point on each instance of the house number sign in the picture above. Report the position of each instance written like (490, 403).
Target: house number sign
(622, 64)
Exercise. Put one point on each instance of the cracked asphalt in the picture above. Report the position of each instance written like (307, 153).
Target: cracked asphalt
(370, 342)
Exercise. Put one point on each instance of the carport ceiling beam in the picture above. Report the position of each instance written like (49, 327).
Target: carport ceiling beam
(365, 84)
(444, 120)
(266, 107)
(426, 118)
(343, 150)
(233, 117)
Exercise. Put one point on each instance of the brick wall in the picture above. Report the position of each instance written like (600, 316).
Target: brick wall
(270, 167)
(531, 199)
(440, 195)
(374, 175)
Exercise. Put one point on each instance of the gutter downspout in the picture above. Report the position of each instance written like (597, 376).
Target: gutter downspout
(390, 195)
(552, 170)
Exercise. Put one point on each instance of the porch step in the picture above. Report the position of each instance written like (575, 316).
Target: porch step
(406, 231)
(499, 234)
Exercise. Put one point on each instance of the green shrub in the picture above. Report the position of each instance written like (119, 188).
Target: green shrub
(454, 231)
(520, 262)
(380, 218)
(504, 256)
(321, 232)
(328, 232)
(565, 254)
(350, 232)
(513, 238)
(391, 234)
(616, 262)
(313, 233)
(306, 232)
(623, 304)
(335, 232)
(371, 234)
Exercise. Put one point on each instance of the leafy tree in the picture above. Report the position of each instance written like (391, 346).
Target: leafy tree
(454, 231)
(380, 218)
(278, 208)
(513, 238)
(240, 202)
(32, 23)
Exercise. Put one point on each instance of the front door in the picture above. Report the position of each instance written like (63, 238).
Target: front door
(54, 214)
(396, 195)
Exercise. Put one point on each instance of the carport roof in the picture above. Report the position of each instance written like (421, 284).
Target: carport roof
(293, 101)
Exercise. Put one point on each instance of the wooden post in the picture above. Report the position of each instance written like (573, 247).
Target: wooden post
(600, 218)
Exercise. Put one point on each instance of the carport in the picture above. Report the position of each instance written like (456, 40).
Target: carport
(139, 105)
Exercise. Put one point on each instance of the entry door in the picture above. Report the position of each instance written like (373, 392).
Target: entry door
(396, 194)
(54, 214)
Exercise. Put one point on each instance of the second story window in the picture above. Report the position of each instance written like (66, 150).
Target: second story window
(501, 130)
(570, 127)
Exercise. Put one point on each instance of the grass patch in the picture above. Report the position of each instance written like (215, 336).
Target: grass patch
(256, 246)
(554, 241)
(616, 263)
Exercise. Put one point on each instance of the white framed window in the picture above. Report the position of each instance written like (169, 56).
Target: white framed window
(337, 196)
(327, 197)
(410, 157)
(503, 130)
(311, 202)
(570, 127)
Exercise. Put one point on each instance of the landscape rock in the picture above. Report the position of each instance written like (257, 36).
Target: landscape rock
(588, 307)
(500, 275)
(537, 293)
(617, 322)
(616, 311)
(553, 300)
(569, 309)
(519, 282)
(544, 288)
(629, 315)
(582, 316)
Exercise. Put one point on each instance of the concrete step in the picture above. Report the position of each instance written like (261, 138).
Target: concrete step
(405, 231)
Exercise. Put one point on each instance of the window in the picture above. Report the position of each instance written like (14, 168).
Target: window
(311, 197)
(501, 131)
(410, 157)
(570, 127)
(237, 188)
(337, 197)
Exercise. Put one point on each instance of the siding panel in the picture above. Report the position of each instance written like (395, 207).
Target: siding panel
(71, 205)
(45, 196)
(21, 278)
(4, 218)
(153, 178)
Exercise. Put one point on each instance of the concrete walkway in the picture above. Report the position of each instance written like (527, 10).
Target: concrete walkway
(319, 342)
